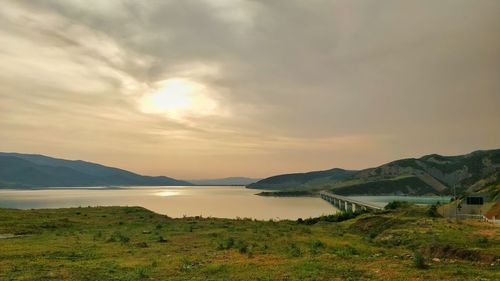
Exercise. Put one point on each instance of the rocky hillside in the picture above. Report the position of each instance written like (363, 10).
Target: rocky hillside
(431, 174)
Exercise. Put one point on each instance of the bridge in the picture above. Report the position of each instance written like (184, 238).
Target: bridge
(347, 204)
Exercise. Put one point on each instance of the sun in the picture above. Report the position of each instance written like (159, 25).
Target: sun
(172, 94)
(177, 98)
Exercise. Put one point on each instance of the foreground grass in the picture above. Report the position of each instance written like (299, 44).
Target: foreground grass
(115, 243)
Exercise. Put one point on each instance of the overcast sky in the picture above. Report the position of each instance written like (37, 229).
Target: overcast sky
(213, 88)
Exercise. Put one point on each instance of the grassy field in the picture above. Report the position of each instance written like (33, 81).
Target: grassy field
(118, 243)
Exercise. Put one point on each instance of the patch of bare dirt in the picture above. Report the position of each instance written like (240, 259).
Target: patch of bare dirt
(490, 233)
(450, 252)
(494, 211)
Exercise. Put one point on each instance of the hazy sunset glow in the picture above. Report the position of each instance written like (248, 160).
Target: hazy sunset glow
(177, 99)
(248, 88)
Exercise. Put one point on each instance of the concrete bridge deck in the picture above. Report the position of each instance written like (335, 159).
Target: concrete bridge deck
(347, 204)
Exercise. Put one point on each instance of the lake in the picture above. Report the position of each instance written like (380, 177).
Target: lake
(420, 200)
(207, 201)
(214, 201)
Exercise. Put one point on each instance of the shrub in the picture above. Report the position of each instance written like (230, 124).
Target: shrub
(338, 217)
(97, 235)
(482, 240)
(243, 249)
(419, 260)
(433, 211)
(295, 251)
(226, 244)
(142, 245)
(143, 272)
(315, 246)
(117, 236)
(396, 205)
(345, 251)
(124, 239)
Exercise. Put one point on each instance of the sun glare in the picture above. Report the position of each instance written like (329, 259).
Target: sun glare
(177, 98)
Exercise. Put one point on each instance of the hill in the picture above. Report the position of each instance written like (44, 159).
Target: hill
(30, 170)
(430, 174)
(301, 181)
(131, 243)
(231, 181)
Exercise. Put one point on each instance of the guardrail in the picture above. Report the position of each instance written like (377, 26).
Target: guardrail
(493, 220)
(478, 217)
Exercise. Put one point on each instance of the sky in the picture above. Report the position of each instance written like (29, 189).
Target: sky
(216, 88)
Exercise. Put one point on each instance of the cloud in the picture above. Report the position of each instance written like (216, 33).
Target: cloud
(276, 81)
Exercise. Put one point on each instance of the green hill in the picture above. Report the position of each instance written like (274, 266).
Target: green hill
(301, 180)
(131, 243)
(430, 174)
(29, 170)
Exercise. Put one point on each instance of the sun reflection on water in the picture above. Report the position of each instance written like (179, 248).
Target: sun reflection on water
(167, 193)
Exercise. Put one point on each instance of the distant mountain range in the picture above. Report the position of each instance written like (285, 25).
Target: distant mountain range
(30, 170)
(232, 181)
(478, 171)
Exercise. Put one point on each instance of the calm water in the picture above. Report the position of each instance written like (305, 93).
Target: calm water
(222, 202)
(422, 200)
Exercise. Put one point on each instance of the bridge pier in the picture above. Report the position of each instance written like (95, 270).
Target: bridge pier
(347, 204)
(349, 207)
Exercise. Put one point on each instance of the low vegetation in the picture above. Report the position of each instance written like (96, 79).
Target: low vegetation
(295, 193)
(338, 217)
(405, 242)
